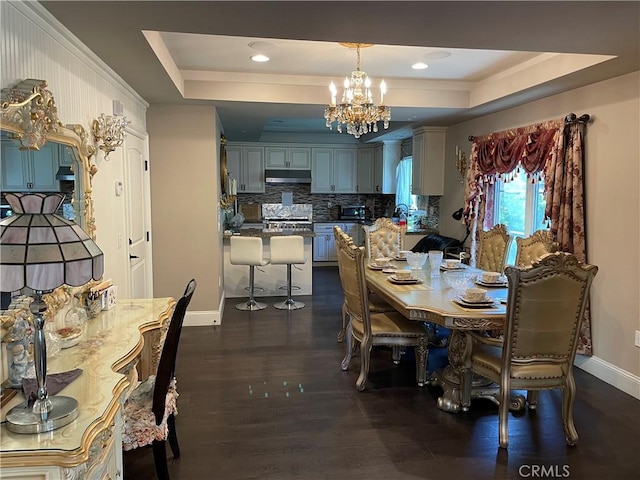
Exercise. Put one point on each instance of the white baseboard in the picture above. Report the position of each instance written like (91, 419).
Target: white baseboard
(202, 319)
(205, 319)
(607, 372)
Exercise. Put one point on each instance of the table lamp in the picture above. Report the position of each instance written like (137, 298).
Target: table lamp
(43, 251)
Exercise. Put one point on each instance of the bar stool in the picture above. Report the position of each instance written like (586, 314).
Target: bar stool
(287, 250)
(248, 251)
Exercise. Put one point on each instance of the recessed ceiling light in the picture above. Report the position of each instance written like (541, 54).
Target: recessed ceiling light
(419, 66)
(437, 55)
(259, 58)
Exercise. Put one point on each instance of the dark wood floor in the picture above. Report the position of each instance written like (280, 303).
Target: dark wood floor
(263, 397)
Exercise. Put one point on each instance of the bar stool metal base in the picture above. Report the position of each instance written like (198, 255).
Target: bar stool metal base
(251, 305)
(289, 304)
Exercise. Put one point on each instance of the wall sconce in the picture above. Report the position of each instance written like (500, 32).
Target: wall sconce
(109, 130)
(461, 164)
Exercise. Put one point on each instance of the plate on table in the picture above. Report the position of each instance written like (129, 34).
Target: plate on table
(374, 266)
(403, 281)
(492, 284)
(462, 266)
(400, 259)
(389, 270)
(467, 304)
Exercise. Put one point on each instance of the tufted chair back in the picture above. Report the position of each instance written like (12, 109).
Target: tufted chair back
(384, 238)
(533, 248)
(493, 246)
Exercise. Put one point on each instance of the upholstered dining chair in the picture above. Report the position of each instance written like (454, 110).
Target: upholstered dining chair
(545, 308)
(532, 248)
(149, 412)
(373, 329)
(376, 304)
(383, 238)
(493, 248)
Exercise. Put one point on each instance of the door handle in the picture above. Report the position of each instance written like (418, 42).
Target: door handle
(131, 257)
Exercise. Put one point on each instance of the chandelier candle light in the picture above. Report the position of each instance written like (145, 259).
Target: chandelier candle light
(356, 110)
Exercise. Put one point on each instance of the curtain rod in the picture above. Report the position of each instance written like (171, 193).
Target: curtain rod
(568, 120)
(572, 118)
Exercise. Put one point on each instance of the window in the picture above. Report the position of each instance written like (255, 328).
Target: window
(519, 204)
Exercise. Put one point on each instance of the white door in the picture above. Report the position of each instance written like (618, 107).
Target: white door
(139, 215)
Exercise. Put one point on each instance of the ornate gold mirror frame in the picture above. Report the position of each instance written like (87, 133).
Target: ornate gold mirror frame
(29, 113)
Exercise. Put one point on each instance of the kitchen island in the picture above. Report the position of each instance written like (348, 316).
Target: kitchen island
(269, 278)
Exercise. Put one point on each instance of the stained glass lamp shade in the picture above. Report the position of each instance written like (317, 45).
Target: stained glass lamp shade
(42, 250)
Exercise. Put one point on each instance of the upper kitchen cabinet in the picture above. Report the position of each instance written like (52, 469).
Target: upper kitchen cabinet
(367, 171)
(333, 170)
(428, 161)
(386, 159)
(288, 158)
(245, 163)
(29, 170)
(377, 168)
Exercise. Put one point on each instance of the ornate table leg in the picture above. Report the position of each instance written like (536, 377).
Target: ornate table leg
(452, 399)
(449, 377)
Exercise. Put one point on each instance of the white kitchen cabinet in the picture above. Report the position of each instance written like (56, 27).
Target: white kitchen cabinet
(29, 170)
(354, 230)
(245, 163)
(366, 170)
(288, 158)
(387, 156)
(333, 170)
(428, 161)
(324, 244)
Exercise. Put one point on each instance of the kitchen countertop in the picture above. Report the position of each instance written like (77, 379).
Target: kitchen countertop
(269, 232)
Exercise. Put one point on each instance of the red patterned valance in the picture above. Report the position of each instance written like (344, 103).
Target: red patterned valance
(528, 147)
(499, 154)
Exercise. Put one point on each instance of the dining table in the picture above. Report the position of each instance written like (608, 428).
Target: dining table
(431, 299)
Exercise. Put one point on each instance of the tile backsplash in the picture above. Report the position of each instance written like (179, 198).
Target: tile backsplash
(326, 206)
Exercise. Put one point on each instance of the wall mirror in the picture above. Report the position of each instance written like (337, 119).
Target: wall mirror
(39, 153)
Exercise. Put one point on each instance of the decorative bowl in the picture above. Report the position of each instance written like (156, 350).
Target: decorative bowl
(458, 279)
(416, 260)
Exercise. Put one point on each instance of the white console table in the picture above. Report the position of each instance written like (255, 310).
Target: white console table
(90, 447)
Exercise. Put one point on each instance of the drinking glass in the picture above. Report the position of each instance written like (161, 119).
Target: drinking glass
(435, 260)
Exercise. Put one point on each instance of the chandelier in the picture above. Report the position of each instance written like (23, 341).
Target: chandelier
(356, 110)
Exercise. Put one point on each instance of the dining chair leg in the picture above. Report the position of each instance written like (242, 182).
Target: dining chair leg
(365, 353)
(503, 411)
(172, 436)
(396, 354)
(422, 355)
(532, 399)
(466, 378)
(349, 350)
(568, 398)
(342, 332)
(160, 459)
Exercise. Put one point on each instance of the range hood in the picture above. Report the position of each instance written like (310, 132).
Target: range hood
(287, 176)
(65, 173)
